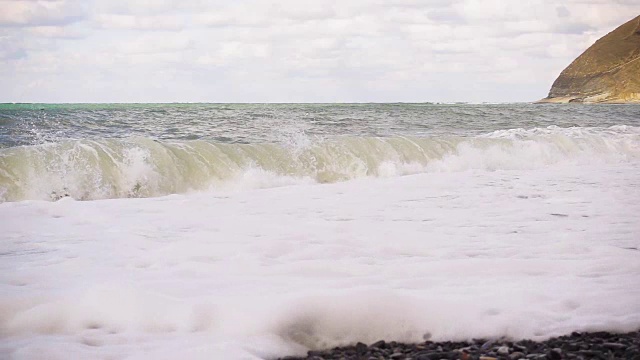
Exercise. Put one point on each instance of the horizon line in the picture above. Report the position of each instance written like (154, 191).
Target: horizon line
(262, 102)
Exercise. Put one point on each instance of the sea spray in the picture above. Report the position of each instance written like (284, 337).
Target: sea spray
(142, 167)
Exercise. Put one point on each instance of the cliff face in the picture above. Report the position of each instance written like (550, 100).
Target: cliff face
(607, 72)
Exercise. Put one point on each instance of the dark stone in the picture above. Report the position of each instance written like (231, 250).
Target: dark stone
(614, 346)
(519, 347)
(452, 355)
(487, 345)
(379, 344)
(555, 354)
(427, 356)
(361, 348)
(591, 353)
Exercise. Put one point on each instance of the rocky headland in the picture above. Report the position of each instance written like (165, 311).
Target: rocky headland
(607, 72)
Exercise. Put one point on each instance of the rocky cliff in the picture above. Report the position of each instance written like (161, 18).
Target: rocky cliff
(607, 72)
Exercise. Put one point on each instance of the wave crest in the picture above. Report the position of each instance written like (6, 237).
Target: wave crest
(141, 167)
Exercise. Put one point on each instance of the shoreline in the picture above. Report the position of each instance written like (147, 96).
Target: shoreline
(584, 345)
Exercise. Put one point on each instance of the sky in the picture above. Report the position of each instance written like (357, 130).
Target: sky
(294, 51)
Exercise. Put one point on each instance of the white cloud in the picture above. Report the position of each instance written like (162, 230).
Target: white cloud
(327, 50)
(232, 19)
(153, 43)
(150, 7)
(59, 32)
(153, 22)
(34, 13)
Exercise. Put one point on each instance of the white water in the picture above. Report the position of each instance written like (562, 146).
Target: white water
(142, 167)
(463, 251)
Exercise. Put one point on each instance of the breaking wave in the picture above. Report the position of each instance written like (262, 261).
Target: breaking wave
(142, 167)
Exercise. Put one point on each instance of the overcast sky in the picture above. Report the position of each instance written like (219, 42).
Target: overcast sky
(294, 51)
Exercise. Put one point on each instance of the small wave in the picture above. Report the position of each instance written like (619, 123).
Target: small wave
(142, 167)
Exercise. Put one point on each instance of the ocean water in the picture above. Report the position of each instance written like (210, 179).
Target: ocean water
(253, 231)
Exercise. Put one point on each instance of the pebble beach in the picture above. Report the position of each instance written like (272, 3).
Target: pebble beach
(579, 346)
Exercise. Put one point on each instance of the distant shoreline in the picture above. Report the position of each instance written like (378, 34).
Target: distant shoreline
(541, 101)
(271, 103)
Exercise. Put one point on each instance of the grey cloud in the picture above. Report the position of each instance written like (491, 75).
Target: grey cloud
(448, 15)
(573, 28)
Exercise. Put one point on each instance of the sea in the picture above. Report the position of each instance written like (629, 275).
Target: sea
(258, 231)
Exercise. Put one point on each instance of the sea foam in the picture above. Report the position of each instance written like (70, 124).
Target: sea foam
(528, 251)
(142, 167)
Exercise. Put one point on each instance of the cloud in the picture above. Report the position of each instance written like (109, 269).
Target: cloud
(55, 32)
(235, 18)
(562, 11)
(154, 22)
(325, 50)
(10, 49)
(152, 43)
(151, 7)
(40, 13)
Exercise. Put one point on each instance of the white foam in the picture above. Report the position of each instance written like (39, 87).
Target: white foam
(263, 273)
(139, 167)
